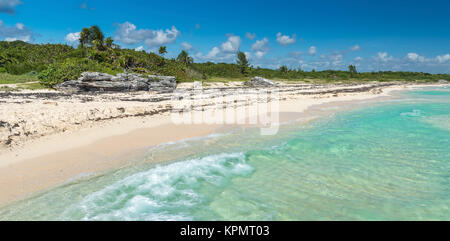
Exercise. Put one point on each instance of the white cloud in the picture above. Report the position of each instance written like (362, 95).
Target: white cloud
(127, 33)
(312, 50)
(355, 48)
(23, 38)
(213, 53)
(415, 57)
(336, 59)
(186, 46)
(140, 48)
(359, 59)
(285, 39)
(248, 55)
(250, 36)
(383, 56)
(16, 32)
(260, 48)
(9, 6)
(20, 26)
(225, 52)
(73, 37)
(260, 54)
(163, 37)
(232, 45)
(260, 45)
(443, 58)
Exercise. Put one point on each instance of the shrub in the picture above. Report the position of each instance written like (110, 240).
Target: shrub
(69, 70)
(18, 68)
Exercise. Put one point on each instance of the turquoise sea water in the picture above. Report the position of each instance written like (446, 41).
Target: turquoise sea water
(385, 161)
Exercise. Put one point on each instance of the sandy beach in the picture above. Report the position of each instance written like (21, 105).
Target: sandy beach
(48, 138)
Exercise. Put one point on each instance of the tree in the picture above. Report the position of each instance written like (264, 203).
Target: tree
(284, 69)
(352, 70)
(184, 58)
(84, 37)
(162, 50)
(242, 62)
(92, 37)
(96, 34)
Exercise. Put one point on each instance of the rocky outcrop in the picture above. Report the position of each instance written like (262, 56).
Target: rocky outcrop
(442, 81)
(125, 82)
(259, 82)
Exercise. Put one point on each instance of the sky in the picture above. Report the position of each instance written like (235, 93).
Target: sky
(396, 35)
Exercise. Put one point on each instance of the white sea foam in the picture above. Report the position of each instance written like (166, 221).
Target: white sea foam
(161, 193)
(185, 142)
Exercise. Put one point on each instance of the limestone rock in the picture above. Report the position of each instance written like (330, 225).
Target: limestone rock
(162, 82)
(259, 82)
(94, 76)
(93, 81)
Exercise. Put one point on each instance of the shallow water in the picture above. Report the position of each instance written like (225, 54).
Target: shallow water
(386, 161)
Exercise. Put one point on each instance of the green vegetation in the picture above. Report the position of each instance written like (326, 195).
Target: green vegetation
(184, 58)
(56, 63)
(352, 70)
(6, 78)
(93, 37)
(20, 58)
(233, 71)
(284, 69)
(242, 62)
(50, 64)
(9, 82)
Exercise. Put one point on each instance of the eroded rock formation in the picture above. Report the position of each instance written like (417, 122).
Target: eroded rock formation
(259, 82)
(93, 81)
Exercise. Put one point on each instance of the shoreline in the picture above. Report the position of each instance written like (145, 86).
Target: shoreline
(52, 160)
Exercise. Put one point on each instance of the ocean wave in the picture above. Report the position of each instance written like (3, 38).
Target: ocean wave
(173, 145)
(162, 193)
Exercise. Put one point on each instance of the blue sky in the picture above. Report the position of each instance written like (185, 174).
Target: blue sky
(323, 34)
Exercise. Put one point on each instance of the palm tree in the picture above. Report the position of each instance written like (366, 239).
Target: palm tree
(84, 37)
(97, 34)
(92, 36)
(184, 58)
(162, 50)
